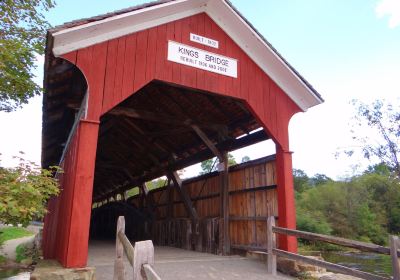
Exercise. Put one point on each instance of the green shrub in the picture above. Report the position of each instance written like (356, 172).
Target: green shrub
(21, 253)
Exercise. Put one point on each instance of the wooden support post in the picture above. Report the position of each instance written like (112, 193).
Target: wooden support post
(271, 245)
(185, 197)
(143, 253)
(224, 193)
(286, 203)
(394, 245)
(145, 192)
(170, 205)
(119, 271)
(78, 220)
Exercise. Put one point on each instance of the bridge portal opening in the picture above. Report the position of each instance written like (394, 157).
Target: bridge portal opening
(160, 130)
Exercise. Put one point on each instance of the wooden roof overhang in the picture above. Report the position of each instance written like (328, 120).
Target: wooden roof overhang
(163, 128)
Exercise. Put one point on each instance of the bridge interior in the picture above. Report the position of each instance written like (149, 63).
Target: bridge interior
(156, 132)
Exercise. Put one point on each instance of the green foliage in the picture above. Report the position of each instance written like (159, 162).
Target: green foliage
(382, 141)
(312, 223)
(155, 184)
(21, 253)
(210, 165)
(24, 191)
(300, 180)
(9, 233)
(22, 36)
(365, 207)
(245, 159)
(3, 259)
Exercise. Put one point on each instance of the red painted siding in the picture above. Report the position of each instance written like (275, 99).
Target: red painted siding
(117, 68)
(66, 231)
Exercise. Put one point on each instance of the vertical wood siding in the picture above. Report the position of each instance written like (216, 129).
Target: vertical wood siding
(58, 219)
(205, 195)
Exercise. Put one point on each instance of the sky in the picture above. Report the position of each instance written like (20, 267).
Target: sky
(346, 49)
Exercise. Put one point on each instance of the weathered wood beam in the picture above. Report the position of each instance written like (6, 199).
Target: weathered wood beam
(170, 202)
(148, 197)
(224, 194)
(208, 142)
(185, 197)
(159, 117)
(329, 266)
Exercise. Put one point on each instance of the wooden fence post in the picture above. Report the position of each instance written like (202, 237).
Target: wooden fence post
(271, 244)
(119, 271)
(394, 244)
(143, 253)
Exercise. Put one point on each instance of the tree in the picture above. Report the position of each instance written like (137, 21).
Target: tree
(300, 180)
(319, 179)
(245, 159)
(22, 36)
(210, 165)
(24, 191)
(382, 141)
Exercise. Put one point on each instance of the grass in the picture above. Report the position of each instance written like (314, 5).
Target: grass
(21, 253)
(3, 259)
(9, 233)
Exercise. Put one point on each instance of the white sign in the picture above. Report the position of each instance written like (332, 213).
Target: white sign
(202, 59)
(204, 40)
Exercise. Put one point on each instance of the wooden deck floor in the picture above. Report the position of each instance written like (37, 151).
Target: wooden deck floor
(177, 264)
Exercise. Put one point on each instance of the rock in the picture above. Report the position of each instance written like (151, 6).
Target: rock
(296, 268)
(52, 270)
(28, 261)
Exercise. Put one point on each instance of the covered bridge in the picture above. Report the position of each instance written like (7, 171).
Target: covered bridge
(143, 92)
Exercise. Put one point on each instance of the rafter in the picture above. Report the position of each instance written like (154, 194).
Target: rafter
(208, 142)
(160, 118)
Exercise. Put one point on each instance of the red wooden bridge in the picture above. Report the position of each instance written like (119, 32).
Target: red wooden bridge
(144, 92)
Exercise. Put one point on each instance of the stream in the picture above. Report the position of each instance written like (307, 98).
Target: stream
(369, 262)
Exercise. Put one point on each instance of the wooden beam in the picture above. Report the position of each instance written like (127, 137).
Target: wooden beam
(170, 202)
(224, 193)
(208, 142)
(185, 197)
(159, 117)
(149, 198)
(329, 266)
(359, 245)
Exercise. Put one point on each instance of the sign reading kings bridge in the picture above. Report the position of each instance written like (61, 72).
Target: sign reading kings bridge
(202, 59)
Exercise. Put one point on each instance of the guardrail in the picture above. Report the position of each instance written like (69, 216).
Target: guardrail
(140, 256)
(273, 252)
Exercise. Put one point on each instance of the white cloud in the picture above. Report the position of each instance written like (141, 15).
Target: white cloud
(390, 8)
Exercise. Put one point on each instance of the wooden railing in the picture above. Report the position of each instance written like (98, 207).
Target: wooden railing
(140, 257)
(273, 252)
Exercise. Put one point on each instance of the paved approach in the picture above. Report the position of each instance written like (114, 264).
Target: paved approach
(178, 264)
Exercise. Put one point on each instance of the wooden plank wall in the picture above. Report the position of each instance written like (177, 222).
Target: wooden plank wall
(252, 198)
